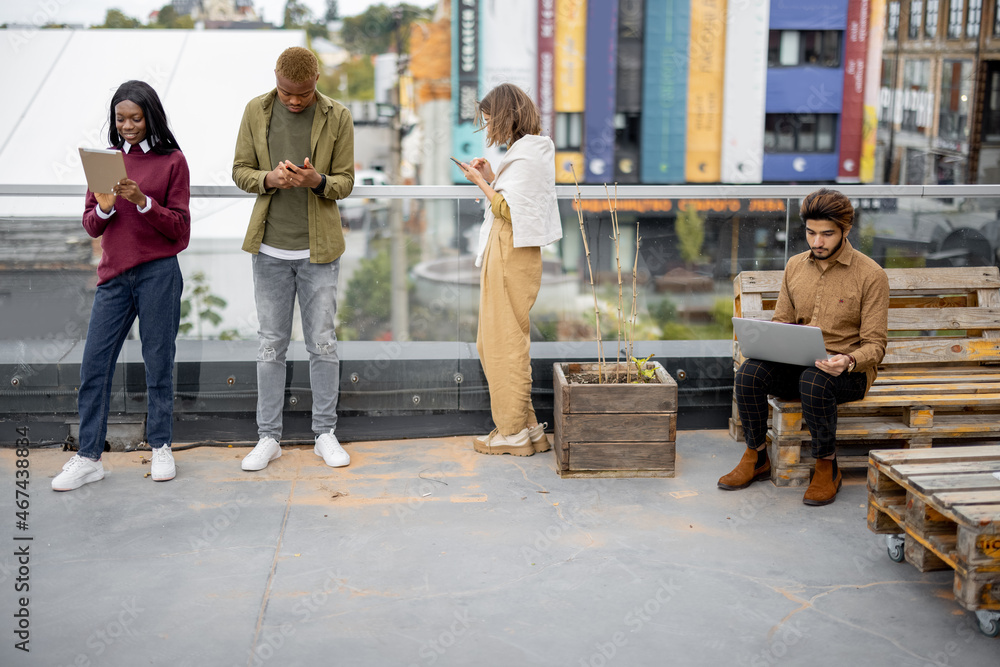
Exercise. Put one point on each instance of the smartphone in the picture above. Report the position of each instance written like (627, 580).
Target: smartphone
(456, 162)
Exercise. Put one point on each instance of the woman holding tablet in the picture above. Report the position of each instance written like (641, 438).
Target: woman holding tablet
(143, 225)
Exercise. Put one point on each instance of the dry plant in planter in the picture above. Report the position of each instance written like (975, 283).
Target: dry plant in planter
(615, 420)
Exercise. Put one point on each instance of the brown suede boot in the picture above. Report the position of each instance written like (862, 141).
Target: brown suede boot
(745, 473)
(823, 487)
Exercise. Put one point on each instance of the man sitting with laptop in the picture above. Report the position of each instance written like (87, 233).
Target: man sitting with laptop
(846, 294)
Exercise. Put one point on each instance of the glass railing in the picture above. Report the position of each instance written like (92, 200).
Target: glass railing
(409, 292)
(408, 272)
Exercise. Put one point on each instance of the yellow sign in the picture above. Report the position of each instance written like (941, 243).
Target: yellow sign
(706, 79)
(566, 163)
(873, 69)
(571, 52)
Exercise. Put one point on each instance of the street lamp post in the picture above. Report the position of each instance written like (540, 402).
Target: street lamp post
(400, 305)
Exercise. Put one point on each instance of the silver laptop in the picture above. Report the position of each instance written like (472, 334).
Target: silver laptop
(777, 341)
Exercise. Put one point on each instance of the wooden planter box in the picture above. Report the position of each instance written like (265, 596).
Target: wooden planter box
(614, 430)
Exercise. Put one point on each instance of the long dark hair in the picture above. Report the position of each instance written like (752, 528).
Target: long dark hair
(161, 139)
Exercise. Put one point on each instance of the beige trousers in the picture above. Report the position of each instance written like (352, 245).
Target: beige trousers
(509, 284)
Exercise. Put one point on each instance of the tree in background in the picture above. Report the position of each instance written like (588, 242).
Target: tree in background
(297, 15)
(168, 17)
(359, 74)
(201, 305)
(116, 19)
(332, 11)
(690, 229)
(373, 31)
(365, 309)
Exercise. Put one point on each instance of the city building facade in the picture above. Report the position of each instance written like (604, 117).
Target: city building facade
(939, 103)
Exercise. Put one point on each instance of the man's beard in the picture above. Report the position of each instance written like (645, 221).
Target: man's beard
(831, 253)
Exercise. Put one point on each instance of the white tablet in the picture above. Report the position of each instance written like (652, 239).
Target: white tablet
(103, 167)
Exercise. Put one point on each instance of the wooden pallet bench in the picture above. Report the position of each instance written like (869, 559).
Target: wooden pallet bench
(939, 381)
(940, 508)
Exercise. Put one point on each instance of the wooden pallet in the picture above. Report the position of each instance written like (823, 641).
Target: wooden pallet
(930, 388)
(940, 508)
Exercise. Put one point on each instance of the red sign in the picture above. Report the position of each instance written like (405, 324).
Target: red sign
(852, 115)
(547, 65)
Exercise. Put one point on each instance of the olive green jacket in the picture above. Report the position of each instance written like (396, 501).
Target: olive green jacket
(332, 142)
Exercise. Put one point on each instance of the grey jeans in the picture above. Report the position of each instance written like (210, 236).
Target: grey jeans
(276, 283)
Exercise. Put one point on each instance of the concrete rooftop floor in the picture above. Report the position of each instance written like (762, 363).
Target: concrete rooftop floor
(423, 552)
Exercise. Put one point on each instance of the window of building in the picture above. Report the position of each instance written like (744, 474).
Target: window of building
(569, 131)
(956, 93)
(789, 53)
(892, 26)
(996, 19)
(627, 142)
(991, 108)
(974, 18)
(931, 24)
(955, 19)
(916, 18)
(916, 167)
(794, 48)
(799, 133)
(914, 103)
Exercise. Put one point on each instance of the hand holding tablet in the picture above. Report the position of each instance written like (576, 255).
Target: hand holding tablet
(104, 169)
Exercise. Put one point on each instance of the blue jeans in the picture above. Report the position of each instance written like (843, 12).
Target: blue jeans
(276, 283)
(151, 292)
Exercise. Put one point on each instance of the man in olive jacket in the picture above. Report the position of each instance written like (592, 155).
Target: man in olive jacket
(295, 151)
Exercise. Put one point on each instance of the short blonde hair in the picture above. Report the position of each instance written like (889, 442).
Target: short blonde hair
(298, 65)
(512, 115)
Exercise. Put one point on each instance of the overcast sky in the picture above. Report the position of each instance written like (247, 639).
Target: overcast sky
(91, 12)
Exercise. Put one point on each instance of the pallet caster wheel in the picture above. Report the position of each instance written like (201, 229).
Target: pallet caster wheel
(894, 545)
(989, 622)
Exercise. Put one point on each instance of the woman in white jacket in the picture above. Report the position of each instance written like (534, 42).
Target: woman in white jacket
(522, 216)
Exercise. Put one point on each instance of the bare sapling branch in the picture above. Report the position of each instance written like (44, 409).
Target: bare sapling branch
(616, 237)
(590, 272)
(630, 338)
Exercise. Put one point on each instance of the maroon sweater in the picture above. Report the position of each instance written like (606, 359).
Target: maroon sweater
(130, 238)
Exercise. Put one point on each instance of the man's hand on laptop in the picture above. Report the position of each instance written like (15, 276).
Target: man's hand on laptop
(834, 365)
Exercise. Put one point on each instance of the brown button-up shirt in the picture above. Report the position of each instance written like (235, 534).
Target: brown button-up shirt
(849, 302)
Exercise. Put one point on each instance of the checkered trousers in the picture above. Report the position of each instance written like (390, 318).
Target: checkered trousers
(819, 392)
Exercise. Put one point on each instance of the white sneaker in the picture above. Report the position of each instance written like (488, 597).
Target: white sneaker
(266, 451)
(518, 444)
(329, 448)
(538, 438)
(536, 434)
(78, 471)
(163, 468)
